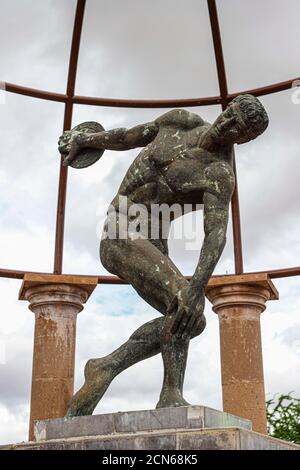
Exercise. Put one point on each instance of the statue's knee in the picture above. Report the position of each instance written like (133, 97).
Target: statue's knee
(108, 254)
(89, 369)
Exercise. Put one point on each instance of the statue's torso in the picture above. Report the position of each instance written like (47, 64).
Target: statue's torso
(175, 149)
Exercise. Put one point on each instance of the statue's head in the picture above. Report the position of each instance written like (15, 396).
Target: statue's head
(244, 119)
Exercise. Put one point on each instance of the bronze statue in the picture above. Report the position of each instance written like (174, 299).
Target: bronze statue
(184, 160)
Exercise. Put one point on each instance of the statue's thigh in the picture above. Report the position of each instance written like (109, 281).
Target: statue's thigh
(145, 267)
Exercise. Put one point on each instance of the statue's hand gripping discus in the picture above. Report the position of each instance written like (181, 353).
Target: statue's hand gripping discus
(83, 157)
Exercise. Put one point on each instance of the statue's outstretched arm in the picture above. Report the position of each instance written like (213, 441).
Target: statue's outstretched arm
(72, 142)
(120, 139)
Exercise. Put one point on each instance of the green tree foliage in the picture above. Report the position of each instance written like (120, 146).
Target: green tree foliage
(283, 414)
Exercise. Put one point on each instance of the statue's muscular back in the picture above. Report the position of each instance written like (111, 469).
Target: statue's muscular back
(175, 154)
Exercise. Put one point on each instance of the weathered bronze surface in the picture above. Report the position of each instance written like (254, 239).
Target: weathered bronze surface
(184, 160)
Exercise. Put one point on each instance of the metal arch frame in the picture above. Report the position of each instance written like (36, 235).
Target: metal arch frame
(70, 98)
(63, 174)
(273, 274)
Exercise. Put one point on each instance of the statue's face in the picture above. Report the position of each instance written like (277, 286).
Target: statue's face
(229, 127)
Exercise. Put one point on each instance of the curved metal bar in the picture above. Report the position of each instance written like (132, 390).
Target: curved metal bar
(131, 103)
(35, 93)
(128, 103)
(273, 273)
(236, 224)
(63, 174)
(218, 49)
(235, 205)
(265, 90)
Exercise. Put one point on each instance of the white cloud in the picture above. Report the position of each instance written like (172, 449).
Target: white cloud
(14, 425)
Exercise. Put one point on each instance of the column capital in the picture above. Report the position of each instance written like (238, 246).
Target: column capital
(241, 290)
(51, 289)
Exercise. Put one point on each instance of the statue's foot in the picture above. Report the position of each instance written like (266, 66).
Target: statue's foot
(98, 376)
(171, 398)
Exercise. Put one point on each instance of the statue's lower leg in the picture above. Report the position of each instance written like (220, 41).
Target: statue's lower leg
(174, 353)
(144, 343)
(147, 341)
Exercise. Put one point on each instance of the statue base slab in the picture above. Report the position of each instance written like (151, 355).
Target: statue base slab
(182, 428)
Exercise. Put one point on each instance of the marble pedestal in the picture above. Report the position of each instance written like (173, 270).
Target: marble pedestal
(183, 428)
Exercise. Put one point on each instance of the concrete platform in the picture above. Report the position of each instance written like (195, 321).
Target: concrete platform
(183, 417)
(183, 428)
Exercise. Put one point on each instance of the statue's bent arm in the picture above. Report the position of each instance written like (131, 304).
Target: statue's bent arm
(190, 313)
(216, 199)
(216, 183)
(120, 139)
(215, 227)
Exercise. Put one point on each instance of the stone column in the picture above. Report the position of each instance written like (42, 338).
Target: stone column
(239, 302)
(55, 301)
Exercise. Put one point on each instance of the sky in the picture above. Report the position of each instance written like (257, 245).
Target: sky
(140, 49)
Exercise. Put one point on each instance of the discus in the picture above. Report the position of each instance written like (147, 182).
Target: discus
(86, 156)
